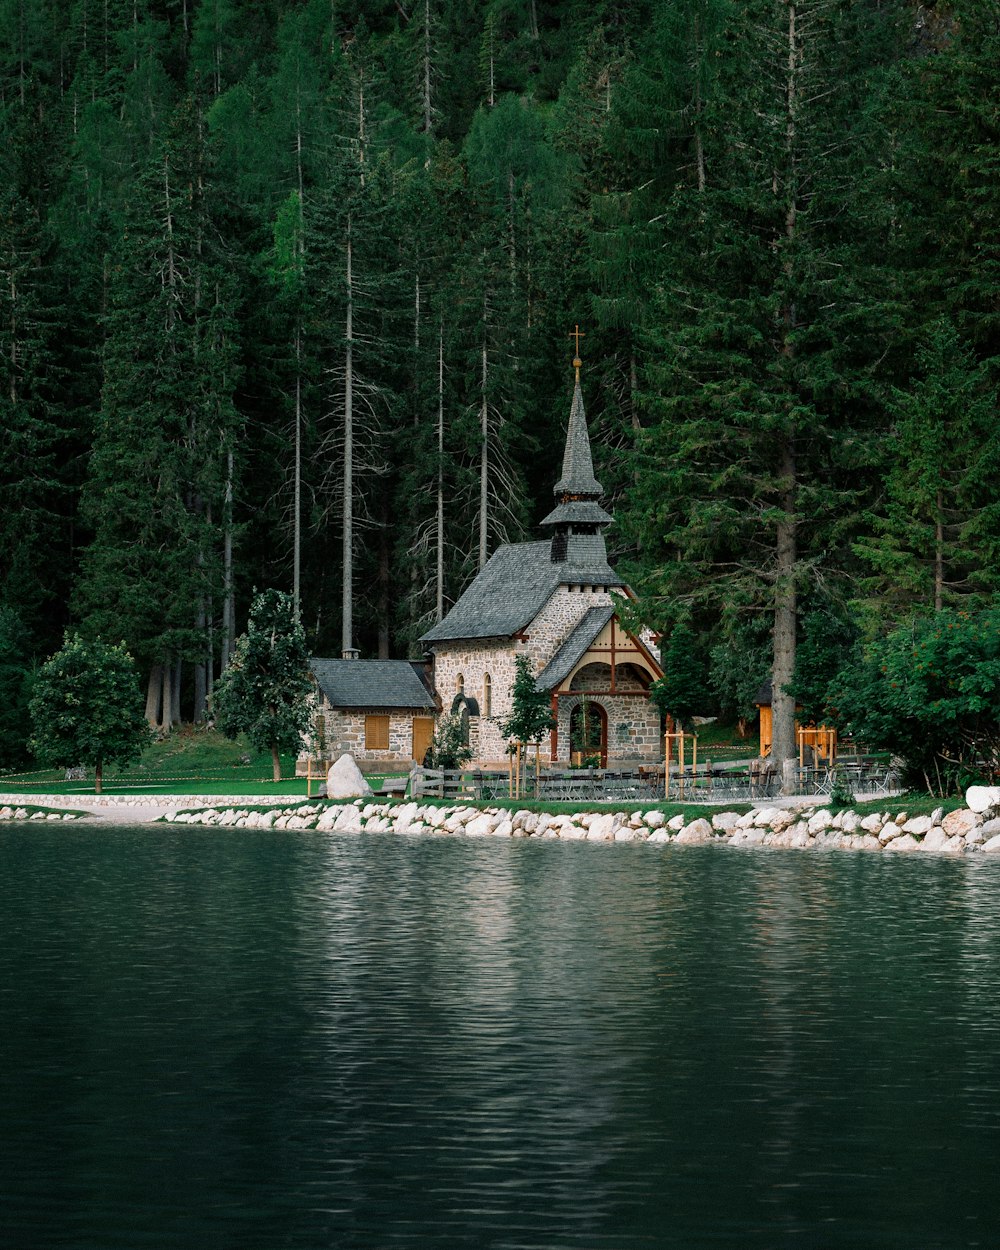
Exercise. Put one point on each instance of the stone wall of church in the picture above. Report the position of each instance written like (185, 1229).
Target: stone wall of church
(633, 728)
(462, 667)
(555, 622)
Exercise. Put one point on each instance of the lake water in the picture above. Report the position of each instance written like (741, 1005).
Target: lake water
(255, 1040)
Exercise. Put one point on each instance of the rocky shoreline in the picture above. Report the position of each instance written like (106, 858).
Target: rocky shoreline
(961, 832)
(800, 825)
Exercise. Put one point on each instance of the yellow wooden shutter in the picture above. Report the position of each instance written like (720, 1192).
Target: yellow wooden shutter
(376, 733)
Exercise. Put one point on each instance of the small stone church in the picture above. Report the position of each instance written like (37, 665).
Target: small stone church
(553, 602)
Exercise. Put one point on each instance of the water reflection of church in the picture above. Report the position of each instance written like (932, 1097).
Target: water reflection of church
(552, 601)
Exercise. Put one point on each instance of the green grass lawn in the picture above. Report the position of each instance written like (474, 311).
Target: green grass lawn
(199, 761)
(721, 743)
(189, 761)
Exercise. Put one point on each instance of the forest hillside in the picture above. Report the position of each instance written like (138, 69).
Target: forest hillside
(286, 291)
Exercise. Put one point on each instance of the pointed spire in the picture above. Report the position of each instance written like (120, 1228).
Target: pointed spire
(578, 464)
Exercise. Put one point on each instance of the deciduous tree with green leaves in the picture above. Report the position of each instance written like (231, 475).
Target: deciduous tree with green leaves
(930, 693)
(266, 692)
(86, 708)
(531, 710)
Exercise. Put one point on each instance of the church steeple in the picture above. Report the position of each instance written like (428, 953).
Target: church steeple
(578, 520)
(577, 480)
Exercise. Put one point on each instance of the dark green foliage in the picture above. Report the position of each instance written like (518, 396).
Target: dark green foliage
(155, 490)
(15, 689)
(841, 794)
(266, 692)
(86, 708)
(930, 693)
(827, 645)
(682, 690)
(786, 267)
(740, 661)
(531, 710)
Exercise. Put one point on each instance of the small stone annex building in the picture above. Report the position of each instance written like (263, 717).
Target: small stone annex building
(552, 601)
(380, 711)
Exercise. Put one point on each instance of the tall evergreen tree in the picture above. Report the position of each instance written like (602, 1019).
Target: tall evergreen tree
(167, 426)
(765, 333)
(929, 544)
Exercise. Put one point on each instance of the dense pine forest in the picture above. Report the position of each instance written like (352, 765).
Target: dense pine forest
(286, 289)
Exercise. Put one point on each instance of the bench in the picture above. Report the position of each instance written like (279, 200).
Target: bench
(393, 787)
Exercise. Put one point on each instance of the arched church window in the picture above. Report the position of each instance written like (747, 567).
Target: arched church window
(487, 695)
(460, 684)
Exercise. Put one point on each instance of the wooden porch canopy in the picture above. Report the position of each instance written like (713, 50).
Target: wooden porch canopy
(599, 638)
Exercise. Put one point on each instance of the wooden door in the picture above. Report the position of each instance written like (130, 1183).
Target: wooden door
(423, 735)
(588, 734)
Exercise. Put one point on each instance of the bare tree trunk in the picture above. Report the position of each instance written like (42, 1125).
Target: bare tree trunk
(783, 752)
(299, 247)
(939, 554)
(200, 677)
(167, 701)
(176, 701)
(228, 613)
(154, 691)
(439, 599)
(782, 704)
(347, 600)
(275, 763)
(98, 776)
(484, 470)
(297, 503)
(384, 575)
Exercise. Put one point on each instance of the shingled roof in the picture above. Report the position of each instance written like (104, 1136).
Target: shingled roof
(513, 588)
(372, 683)
(578, 464)
(504, 597)
(574, 648)
(578, 511)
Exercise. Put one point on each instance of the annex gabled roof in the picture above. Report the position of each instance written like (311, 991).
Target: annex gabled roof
(574, 647)
(515, 585)
(371, 683)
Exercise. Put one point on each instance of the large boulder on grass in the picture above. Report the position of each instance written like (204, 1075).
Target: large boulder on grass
(345, 780)
(985, 800)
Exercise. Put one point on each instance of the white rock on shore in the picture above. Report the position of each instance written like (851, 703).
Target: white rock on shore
(802, 826)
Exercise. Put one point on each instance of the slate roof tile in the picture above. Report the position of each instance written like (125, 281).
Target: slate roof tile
(515, 585)
(372, 683)
(574, 647)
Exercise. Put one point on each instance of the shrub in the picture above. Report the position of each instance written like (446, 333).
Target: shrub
(449, 748)
(930, 693)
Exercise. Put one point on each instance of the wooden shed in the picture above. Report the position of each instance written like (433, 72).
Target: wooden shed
(381, 711)
(817, 742)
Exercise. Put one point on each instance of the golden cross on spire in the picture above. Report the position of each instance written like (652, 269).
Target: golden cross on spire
(577, 334)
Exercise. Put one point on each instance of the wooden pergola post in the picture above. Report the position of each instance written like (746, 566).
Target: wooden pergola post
(680, 737)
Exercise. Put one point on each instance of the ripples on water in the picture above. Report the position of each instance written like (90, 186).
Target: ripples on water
(259, 1040)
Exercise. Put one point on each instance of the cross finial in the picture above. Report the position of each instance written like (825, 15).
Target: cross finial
(577, 334)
